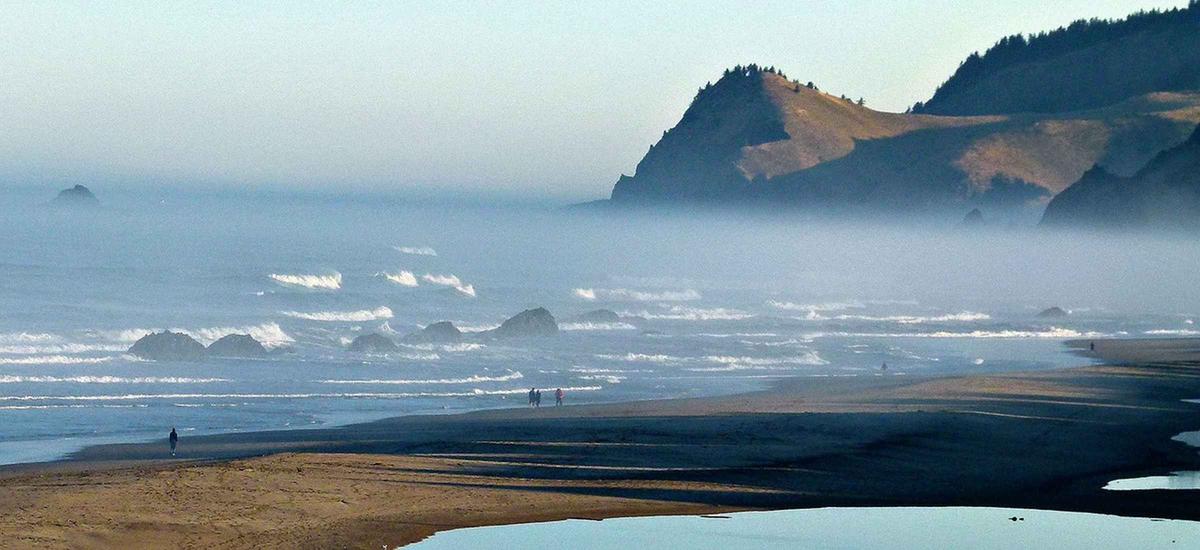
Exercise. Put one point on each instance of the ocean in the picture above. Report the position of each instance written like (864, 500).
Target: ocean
(709, 304)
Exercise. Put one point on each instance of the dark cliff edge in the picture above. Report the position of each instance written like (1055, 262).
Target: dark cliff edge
(1164, 194)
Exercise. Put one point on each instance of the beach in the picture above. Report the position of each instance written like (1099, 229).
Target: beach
(1041, 439)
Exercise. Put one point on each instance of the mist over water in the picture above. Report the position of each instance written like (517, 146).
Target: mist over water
(708, 303)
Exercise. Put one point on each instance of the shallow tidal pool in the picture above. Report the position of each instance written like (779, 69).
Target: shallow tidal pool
(838, 528)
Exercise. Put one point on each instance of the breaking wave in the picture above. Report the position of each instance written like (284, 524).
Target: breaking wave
(623, 294)
(828, 306)
(1052, 332)
(313, 282)
(596, 326)
(7, 379)
(642, 358)
(53, 360)
(28, 349)
(359, 316)
(269, 334)
(681, 313)
(28, 338)
(451, 281)
(1173, 332)
(452, 348)
(965, 316)
(516, 375)
(415, 250)
(607, 378)
(403, 278)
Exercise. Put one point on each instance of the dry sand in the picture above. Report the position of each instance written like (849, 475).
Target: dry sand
(1037, 440)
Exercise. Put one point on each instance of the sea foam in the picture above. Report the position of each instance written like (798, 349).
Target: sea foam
(313, 282)
(402, 278)
(624, 294)
(357, 316)
(451, 281)
(415, 250)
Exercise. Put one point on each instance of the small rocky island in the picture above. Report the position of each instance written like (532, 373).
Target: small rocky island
(598, 316)
(372, 343)
(75, 196)
(237, 345)
(177, 346)
(442, 332)
(529, 323)
(168, 346)
(1053, 313)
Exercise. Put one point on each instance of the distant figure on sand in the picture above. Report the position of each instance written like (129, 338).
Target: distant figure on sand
(1092, 346)
(558, 395)
(174, 439)
(537, 398)
(884, 367)
(531, 395)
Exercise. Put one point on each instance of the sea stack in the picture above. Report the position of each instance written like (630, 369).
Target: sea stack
(237, 345)
(168, 346)
(75, 196)
(598, 316)
(442, 332)
(372, 343)
(1053, 313)
(529, 323)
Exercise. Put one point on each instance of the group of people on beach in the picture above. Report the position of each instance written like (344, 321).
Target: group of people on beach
(535, 397)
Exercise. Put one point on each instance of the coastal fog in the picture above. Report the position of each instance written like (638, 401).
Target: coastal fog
(706, 303)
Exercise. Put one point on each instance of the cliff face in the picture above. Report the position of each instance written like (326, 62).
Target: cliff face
(697, 159)
(1166, 193)
(756, 137)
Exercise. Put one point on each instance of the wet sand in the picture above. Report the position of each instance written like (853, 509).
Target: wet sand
(1046, 440)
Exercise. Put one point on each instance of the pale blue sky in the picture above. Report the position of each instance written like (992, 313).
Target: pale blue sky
(554, 99)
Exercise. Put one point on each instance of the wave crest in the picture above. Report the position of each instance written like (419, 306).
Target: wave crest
(359, 316)
(402, 278)
(313, 282)
(415, 250)
(451, 281)
(624, 294)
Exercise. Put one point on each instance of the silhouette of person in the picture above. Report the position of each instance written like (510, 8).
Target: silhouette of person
(174, 439)
(884, 367)
(531, 395)
(558, 397)
(537, 398)
(1092, 346)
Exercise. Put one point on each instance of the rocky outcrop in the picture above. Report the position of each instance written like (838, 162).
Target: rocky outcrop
(598, 316)
(237, 345)
(1053, 313)
(168, 346)
(974, 218)
(75, 196)
(527, 324)
(1163, 194)
(372, 343)
(443, 332)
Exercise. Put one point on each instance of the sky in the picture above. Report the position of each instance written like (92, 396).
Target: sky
(545, 99)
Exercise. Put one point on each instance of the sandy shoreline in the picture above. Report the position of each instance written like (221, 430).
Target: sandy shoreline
(1046, 439)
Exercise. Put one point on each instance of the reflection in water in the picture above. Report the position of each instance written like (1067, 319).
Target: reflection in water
(1177, 480)
(981, 528)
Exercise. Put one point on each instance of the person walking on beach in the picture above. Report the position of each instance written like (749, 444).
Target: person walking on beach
(531, 391)
(174, 439)
(558, 395)
(537, 398)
